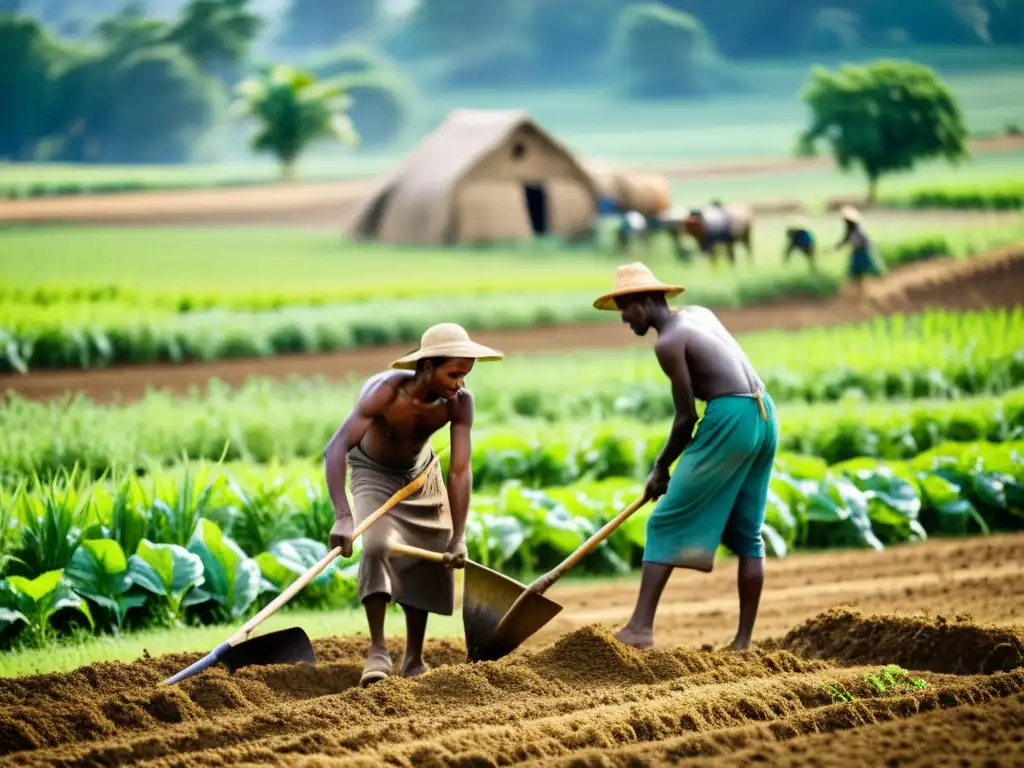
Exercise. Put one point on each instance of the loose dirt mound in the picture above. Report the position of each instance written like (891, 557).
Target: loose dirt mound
(585, 699)
(938, 645)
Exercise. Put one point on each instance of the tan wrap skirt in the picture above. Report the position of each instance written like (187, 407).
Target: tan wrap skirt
(422, 520)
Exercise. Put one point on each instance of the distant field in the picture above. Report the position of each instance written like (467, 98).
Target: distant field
(250, 267)
(759, 125)
(814, 186)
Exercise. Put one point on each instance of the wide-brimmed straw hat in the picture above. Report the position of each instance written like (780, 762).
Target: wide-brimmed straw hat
(447, 340)
(635, 278)
(849, 213)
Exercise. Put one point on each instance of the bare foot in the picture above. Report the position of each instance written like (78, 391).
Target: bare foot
(413, 668)
(378, 666)
(637, 638)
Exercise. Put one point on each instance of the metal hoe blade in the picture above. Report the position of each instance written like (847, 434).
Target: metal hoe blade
(287, 646)
(486, 597)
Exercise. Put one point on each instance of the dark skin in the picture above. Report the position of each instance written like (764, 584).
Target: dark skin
(702, 362)
(395, 416)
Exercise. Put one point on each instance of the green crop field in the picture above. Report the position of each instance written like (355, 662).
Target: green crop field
(937, 355)
(813, 186)
(172, 296)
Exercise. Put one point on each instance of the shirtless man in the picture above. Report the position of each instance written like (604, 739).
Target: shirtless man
(719, 490)
(386, 441)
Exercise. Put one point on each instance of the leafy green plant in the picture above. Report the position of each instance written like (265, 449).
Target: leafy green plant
(53, 523)
(286, 560)
(169, 572)
(838, 693)
(257, 514)
(175, 513)
(36, 601)
(232, 579)
(99, 572)
(893, 676)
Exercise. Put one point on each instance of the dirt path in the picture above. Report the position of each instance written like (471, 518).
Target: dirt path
(993, 280)
(329, 203)
(801, 698)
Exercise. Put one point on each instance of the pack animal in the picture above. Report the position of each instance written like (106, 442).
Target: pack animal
(718, 224)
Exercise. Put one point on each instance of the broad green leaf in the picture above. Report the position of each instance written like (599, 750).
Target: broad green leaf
(9, 616)
(232, 578)
(947, 512)
(165, 569)
(39, 588)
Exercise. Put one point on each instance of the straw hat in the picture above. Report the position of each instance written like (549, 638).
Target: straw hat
(634, 278)
(447, 340)
(849, 213)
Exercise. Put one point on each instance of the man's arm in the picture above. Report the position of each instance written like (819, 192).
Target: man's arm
(672, 358)
(460, 471)
(372, 401)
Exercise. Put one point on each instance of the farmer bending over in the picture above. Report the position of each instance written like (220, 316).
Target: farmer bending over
(800, 238)
(386, 441)
(719, 490)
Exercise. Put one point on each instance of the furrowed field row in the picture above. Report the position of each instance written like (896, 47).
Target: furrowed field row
(154, 276)
(138, 552)
(50, 438)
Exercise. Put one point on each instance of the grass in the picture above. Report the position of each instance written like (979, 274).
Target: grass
(87, 649)
(816, 185)
(760, 124)
(237, 266)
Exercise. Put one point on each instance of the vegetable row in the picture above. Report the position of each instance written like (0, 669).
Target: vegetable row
(260, 425)
(37, 332)
(207, 545)
(1004, 195)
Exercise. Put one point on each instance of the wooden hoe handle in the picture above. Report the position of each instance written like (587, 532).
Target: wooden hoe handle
(443, 558)
(542, 583)
(296, 586)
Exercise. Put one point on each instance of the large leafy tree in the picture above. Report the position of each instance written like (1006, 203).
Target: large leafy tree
(216, 34)
(883, 118)
(294, 109)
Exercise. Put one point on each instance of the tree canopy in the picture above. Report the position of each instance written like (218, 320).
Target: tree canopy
(883, 118)
(293, 109)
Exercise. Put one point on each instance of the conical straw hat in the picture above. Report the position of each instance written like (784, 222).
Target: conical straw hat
(447, 340)
(634, 278)
(849, 213)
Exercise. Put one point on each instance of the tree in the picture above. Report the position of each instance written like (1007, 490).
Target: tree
(130, 30)
(294, 109)
(26, 85)
(148, 106)
(884, 118)
(216, 34)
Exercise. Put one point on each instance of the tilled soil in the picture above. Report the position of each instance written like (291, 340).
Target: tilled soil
(989, 281)
(802, 697)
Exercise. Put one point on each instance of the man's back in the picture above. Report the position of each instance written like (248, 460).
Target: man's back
(718, 365)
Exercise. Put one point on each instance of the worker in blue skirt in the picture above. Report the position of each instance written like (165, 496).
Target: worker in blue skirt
(863, 259)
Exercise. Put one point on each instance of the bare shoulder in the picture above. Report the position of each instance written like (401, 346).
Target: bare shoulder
(672, 339)
(460, 408)
(381, 389)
